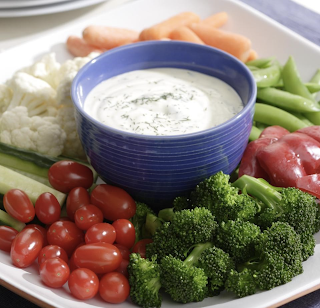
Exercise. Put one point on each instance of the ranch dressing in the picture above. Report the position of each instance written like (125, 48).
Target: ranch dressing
(162, 101)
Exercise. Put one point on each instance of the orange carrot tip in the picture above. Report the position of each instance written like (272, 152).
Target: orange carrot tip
(252, 55)
(109, 37)
(78, 47)
(185, 34)
(216, 20)
(164, 28)
(235, 44)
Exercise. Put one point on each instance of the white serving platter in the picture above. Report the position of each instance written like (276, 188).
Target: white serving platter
(269, 39)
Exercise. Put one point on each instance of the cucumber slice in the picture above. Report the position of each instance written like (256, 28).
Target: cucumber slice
(10, 179)
(7, 220)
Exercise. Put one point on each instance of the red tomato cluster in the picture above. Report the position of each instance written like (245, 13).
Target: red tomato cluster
(89, 249)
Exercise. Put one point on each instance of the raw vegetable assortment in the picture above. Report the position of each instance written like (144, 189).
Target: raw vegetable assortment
(241, 236)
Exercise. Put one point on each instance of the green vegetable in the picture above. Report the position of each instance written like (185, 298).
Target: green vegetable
(144, 279)
(10, 180)
(7, 220)
(312, 87)
(303, 118)
(222, 199)
(267, 77)
(255, 133)
(292, 81)
(277, 260)
(275, 116)
(182, 280)
(286, 100)
(290, 205)
(260, 63)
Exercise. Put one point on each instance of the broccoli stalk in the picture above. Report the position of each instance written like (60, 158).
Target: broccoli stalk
(291, 205)
(183, 281)
(144, 278)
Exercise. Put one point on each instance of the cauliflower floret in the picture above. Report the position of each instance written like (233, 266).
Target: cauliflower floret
(40, 134)
(46, 69)
(31, 92)
(5, 97)
(67, 72)
(67, 121)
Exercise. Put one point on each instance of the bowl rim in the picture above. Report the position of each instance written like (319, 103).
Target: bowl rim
(217, 128)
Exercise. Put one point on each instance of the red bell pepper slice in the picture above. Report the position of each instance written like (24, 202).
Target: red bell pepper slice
(282, 165)
(310, 184)
(312, 131)
(275, 132)
(306, 148)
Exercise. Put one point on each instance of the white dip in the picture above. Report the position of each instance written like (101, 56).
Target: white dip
(162, 101)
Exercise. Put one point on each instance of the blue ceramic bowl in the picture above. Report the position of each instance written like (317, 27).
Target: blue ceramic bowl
(156, 169)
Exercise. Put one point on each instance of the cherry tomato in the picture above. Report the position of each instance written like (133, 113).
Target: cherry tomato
(47, 208)
(114, 202)
(42, 230)
(54, 272)
(83, 283)
(140, 247)
(87, 216)
(101, 232)
(125, 252)
(66, 235)
(126, 234)
(99, 257)
(7, 235)
(18, 205)
(52, 251)
(123, 268)
(114, 288)
(77, 198)
(65, 175)
(25, 247)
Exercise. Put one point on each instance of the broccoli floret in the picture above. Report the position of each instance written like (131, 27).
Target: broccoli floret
(291, 205)
(187, 228)
(241, 283)
(238, 238)
(183, 281)
(278, 259)
(217, 265)
(181, 203)
(144, 279)
(139, 220)
(223, 200)
(153, 222)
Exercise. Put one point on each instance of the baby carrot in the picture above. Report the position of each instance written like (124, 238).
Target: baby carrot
(235, 44)
(164, 28)
(78, 47)
(216, 20)
(185, 34)
(108, 37)
(252, 55)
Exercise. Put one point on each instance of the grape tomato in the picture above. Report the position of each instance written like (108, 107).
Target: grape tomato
(125, 232)
(140, 247)
(83, 283)
(18, 205)
(47, 208)
(113, 201)
(100, 232)
(77, 198)
(87, 216)
(65, 175)
(52, 251)
(7, 235)
(54, 272)
(25, 247)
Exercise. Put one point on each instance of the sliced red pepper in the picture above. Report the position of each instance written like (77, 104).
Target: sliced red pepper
(275, 132)
(306, 148)
(310, 184)
(312, 131)
(282, 165)
(249, 164)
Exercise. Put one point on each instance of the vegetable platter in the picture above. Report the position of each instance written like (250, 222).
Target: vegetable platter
(268, 39)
